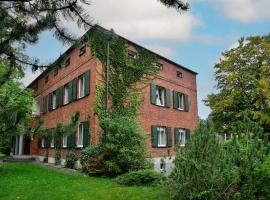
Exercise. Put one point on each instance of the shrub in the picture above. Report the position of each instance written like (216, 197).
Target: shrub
(71, 159)
(210, 169)
(141, 178)
(2, 156)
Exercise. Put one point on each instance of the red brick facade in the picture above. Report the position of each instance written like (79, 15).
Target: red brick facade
(150, 114)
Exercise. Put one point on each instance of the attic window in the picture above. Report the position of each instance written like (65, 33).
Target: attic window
(179, 74)
(67, 62)
(82, 49)
(159, 66)
(132, 54)
(55, 72)
(46, 79)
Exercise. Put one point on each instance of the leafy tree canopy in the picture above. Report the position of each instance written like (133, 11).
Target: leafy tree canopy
(243, 83)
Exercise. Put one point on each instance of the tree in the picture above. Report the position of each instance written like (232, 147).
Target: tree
(243, 83)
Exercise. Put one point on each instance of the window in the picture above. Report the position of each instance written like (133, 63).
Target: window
(161, 137)
(66, 91)
(159, 66)
(64, 142)
(52, 143)
(55, 72)
(42, 142)
(36, 106)
(67, 62)
(81, 86)
(132, 54)
(180, 99)
(80, 136)
(54, 100)
(160, 96)
(182, 137)
(179, 74)
(46, 79)
(82, 49)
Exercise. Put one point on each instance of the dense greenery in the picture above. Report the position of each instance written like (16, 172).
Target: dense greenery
(31, 181)
(122, 143)
(141, 177)
(71, 159)
(243, 83)
(209, 168)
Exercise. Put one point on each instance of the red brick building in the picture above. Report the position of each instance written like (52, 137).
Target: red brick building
(169, 113)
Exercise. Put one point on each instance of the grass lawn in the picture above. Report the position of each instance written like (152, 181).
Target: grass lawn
(31, 181)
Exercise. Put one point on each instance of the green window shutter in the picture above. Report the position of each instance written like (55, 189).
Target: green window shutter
(60, 99)
(57, 142)
(187, 135)
(45, 104)
(168, 98)
(175, 100)
(39, 143)
(74, 89)
(86, 134)
(153, 93)
(169, 137)
(87, 83)
(50, 102)
(154, 137)
(186, 103)
(71, 140)
(70, 91)
(176, 136)
(46, 143)
(57, 98)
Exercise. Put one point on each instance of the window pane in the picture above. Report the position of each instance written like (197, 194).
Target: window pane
(66, 95)
(161, 137)
(81, 86)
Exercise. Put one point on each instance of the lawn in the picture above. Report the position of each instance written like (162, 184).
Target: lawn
(32, 181)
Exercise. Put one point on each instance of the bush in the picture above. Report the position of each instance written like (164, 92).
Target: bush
(71, 159)
(2, 156)
(141, 178)
(210, 169)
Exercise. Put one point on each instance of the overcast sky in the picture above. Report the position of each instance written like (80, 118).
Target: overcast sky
(194, 39)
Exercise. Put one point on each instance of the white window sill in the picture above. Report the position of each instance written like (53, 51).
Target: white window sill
(64, 146)
(80, 146)
(180, 109)
(162, 145)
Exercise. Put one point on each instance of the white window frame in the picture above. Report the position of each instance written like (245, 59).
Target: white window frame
(54, 100)
(162, 140)
(36, 106)
(52, 143)
(80, 136)
(66, 91)
(181, 101)
(81, 86)
(42, 142)
(160, 96)
(182, 140)
(64, 142)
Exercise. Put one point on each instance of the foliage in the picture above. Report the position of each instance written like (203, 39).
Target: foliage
(2, 156)
(62, 186)
(71, 159)
(122, 144)
(210, 169)
(243, 83)
(141, 177)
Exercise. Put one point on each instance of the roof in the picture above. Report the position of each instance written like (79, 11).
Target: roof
(129, 41)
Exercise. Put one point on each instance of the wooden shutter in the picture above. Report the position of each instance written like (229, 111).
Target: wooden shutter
(168, 98)
(71, 140)
(187, 135)
(45, 104)
(87, 83)
(50, 102)
(60, 99)
(57, 142)
(186, 103)
(57, 98)
(154, 136)
(39, 143)
(46, 143)
(153, 94)
(169, 137)
(74, 89)
(70, 91)
(176, 136)
(86, 134)
(175, 100)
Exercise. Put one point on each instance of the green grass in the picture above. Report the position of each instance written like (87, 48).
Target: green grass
(2, 156)
(31, 181)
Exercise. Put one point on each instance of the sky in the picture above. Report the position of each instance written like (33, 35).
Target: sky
(194, 39)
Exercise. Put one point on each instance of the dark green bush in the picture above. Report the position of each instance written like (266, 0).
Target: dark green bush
(71, 158)
(2, 156)
(141, 178)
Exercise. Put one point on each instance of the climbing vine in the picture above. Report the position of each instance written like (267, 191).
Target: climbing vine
(122, 144)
